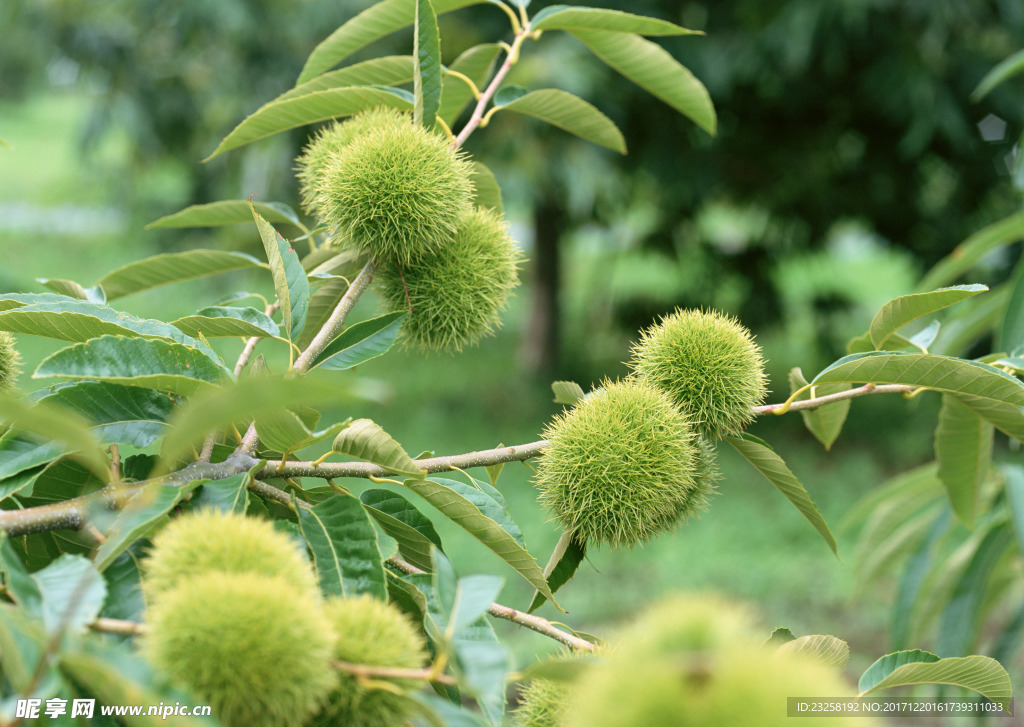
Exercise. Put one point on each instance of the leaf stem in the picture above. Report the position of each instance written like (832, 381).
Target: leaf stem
(511, 58)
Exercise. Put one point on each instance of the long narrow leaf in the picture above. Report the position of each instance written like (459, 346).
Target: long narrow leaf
(290, 281)
(769, 464)
(980, 674)
(364, 439)
(226, 212)
(570, 113)
(427, 65)
(900, 311)
(967, 254)
(562, 17)
(361, 342)
(963, 448)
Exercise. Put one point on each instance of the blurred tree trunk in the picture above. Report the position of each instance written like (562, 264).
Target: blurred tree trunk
(540, 350)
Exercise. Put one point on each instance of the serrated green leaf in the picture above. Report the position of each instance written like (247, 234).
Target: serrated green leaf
(1007, 418)
(72, 591)
(900, 311)
(373, 23)
(967, 254)
(58, 425)
(226, 212)
(1007, 68)
(565, 560)
(19, 452)
(344, 546)
(114, 674)
(21, 482)
(488, 193)
(361, 342)
(176, 267)
(141, 516)
(476, 64)
(958, 627)
(1014, 485)
(134, 362)
(95, 294)
(567, 392)
(563, 17)
(651, 67)
(779, 636)
(569, 113)
(400, 519)
(309, 108)
(365, 440)
(940, 373)
(384, 71)
(886, 665)
(824, 422)
(22, 647)
(427, 64)
(76, 321)
(769, 464)
(221, 321)
(218, 408)
(282, 430)
(819, 648)
(980, 674)
(507, 94)
(486, 520)
(290, 281)
(18, 582)
(117, 413)
(963, 449)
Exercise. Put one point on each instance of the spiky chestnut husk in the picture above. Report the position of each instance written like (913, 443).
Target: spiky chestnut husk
(621, 465)
(396, 192)
(372, 633)
(458, 293)
(9, 362)
(698, 663)
(330, 140)
(211, 540)
(708, 364)
(254, 647)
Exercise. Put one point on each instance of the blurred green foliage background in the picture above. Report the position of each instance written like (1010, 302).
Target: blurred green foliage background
(849, 158)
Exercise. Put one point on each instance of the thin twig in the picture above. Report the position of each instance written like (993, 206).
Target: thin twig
(118, 626)
(478, 111)
(839, 396)
(390, 672)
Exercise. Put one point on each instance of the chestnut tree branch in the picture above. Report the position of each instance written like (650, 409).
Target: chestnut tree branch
(511, 58)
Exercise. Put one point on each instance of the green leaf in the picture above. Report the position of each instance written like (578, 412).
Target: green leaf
(76, 321)
(508, 94)
(176, 267)
(344, 546)
(486, 520)
(226, 212)
(309, 108)
(1004, 70)
(282, 430)
(400, 519)
(220, 407)
(365, 440)
(70, 288)
(825, 422)
(912, 581)
(361, 342)
(442, 713)
(385, 71)
(562, 17)
(19, 483)
(824, 650)
(477, 64)
(569, 113)
(124, 590)
(463, 601)
(19, 453)
(561, 567)
(1014, 484)
(373, 23)
(115, 675)
(967, 254)
(900, 311)
(321, 305)
(651, 67)
(73, 592)
(779, 636)
(21, 587)
(567, 392)
(141, 516)
(134, 362)
(980, 674)
(56, 424)
(940, 373)
(290, 281)
(117, 413)
(221, 321)
(22, 647)
(427, 64)
(228, 495)
(958, 629)
(488, 193)
(769, 464)
(963, 448)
